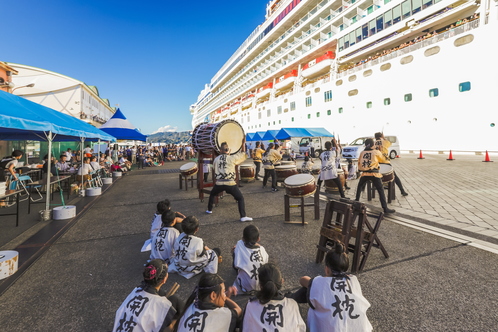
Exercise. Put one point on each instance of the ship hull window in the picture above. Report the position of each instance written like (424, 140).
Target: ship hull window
(406, 9)
(465, 86)
(433, 92)
(388, 19)
(380, 23)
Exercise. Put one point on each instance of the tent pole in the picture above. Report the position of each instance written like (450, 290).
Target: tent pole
(98, 153)
(81, 167)
(49, 167)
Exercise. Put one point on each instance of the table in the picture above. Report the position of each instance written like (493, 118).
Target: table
(12, 193)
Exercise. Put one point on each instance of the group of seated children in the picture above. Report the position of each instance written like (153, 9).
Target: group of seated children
(335, 300)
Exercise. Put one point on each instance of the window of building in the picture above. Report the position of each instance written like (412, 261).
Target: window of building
(341, 110)
(329, 112)
(279, 110)
(387, 101)
(317, 114)
(309, 116)
(369, 104)
(465, 86)
(396, 14)
(292, 119)
(308, 101)
(328, 95)
(434, 92)
(408, 97)
(293, 106)
(371, 28)
(416, 6)
(427, 3)
(364, 31)
(358, 35)
(380, 23)
(388, 16)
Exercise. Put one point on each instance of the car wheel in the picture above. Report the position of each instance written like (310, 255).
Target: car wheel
(393, 154)
(317, 153)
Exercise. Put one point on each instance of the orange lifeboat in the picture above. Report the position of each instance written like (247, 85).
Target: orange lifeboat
(286, 80)
(319, 65)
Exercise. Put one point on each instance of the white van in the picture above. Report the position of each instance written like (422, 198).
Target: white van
(353, 150)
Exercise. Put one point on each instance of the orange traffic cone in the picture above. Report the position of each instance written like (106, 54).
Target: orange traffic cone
(420, 156)
(486, 159)
(450, 156)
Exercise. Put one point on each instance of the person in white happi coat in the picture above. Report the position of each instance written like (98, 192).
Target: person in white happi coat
(329, 170)
(270, 310)
(336, 301)
(248, 256)
(209, 308)
(163, 241)
(147, 308)
(191, 256)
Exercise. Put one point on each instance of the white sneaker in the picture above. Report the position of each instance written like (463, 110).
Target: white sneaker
(209, 212)
(244, 219)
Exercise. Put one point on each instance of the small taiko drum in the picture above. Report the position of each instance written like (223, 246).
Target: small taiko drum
(330, 185)
(300, 185)
(283, 172)
(247, 172)
(387, 172)
(316, 171)
(188, 169)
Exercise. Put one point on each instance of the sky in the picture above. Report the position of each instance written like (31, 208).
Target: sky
(152, 58)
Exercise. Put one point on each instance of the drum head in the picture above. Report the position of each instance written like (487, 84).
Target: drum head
(246, 166)
(187, 166)
(232, 133)
(385, 168)
(298, 179)
(285, 167)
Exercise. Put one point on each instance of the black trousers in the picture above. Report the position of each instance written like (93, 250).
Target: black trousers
(273, 174)
(337, 183)
(232, 190)
(377, 182)
(258, 168)
(397, 180)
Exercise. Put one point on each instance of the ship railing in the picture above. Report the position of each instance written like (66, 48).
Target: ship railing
(421, 44)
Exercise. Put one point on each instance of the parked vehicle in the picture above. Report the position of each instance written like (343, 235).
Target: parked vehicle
(353, 150)
(318, 145)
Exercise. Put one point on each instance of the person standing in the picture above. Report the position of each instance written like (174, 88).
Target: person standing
(329, 169)
(257, 155)
(224, 172)
(312, 148)
(9, 165)
(383, 145)
(271, 157)
(368, 164)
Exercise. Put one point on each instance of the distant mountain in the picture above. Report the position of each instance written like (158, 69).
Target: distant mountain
(169, 137)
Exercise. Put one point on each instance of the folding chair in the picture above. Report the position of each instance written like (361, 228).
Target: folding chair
(23, 183)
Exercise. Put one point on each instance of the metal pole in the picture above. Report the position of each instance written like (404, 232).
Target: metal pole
(49, 166)
(81, 167)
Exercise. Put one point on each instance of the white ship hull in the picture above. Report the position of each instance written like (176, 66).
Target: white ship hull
(420, 101)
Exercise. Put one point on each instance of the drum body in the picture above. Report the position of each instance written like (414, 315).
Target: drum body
(247, 172)
(300, 185)
(287, 162)
(316, 171)
(387, 172)
(283, 172)
(330, 185)
(207, 137)
(188, 169)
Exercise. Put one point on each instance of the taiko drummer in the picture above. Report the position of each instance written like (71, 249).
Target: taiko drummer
(224, 172)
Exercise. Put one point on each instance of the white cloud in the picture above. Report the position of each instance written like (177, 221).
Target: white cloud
(166, 129)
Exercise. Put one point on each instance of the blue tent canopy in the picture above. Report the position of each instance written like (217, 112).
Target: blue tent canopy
(249, 137)
(22, 119)
(119, 127)
(269, 135)
(287, 133)
(259, 135)
(316, 132)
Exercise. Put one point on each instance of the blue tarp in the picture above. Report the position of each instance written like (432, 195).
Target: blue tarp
(319, 132)
(287, 133)
(269, 135)
(119, 127)
(22, 119)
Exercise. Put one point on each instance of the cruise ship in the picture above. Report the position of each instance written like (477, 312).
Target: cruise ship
(423, 70)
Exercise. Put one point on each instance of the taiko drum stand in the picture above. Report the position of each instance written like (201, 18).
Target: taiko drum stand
(287, 206)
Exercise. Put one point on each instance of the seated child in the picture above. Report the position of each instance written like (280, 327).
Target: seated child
(191, 256)
(307, 165)
(179, 217)
(336, 302)
(156, 223)
(209, 307)
(115, 167)
(248, 256)
(270, 310)
(164, 239)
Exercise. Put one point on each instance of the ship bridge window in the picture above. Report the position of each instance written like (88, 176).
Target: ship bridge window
(465, 86)
(434, 92)
(328, 95)
(388, 16)
(416, 6)
(396, 14)
(408, 97)
(406, 9)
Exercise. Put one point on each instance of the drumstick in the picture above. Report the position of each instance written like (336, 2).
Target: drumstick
(173, 289)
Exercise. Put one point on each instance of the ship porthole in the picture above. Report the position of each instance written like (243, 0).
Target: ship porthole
(406, 59)
(367, 73)
(339, 82)
(435, 119)
(409, 121)
(352, 78)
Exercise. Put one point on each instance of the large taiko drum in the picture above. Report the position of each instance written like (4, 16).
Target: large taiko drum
(247, 172)
(283, 172)
(387, 172)
(330, 185)
(300, 185)
(207, 137)
(188, 169)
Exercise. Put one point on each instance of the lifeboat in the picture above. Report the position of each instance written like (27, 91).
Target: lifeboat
(286, 80)
(247, 101)
(319, 65)
(264, 91)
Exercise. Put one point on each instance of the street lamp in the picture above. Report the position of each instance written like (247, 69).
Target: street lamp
(30, 85)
